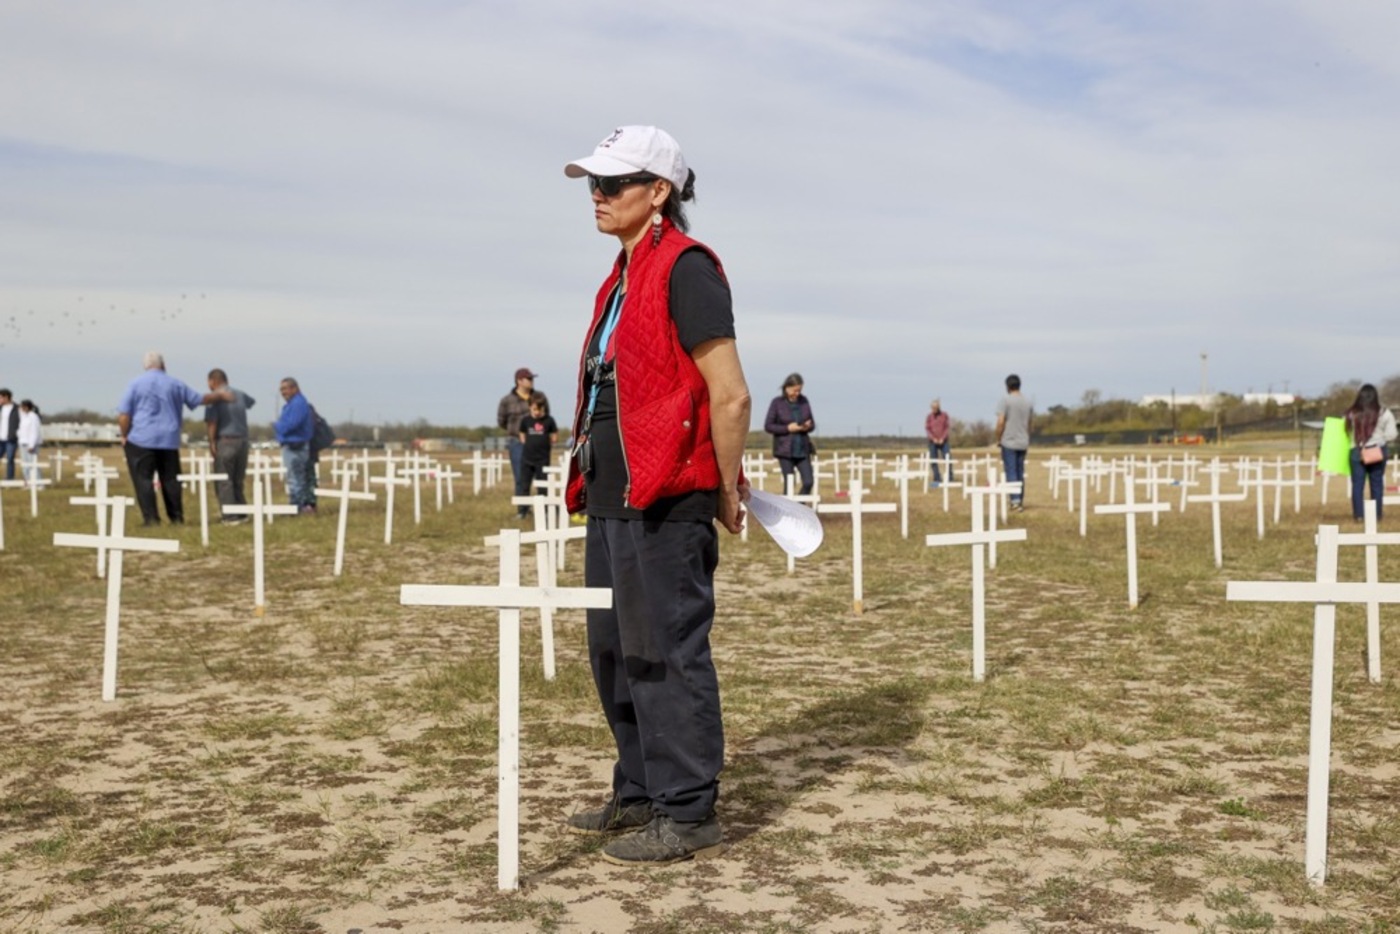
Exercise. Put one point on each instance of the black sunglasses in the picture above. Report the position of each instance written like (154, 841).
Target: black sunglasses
(611, 185)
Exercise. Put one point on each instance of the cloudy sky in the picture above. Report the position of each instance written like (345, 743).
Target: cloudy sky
(911, 197)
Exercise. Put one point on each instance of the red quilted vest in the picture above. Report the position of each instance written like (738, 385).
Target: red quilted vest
(663, 404)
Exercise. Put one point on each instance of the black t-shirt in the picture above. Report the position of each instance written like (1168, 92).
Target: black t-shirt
(537, 432)
(703, 310)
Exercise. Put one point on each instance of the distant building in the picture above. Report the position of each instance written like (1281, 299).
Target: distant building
(1263, 398)
(77, 432)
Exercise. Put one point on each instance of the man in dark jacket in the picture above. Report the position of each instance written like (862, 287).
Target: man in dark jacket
(514, 408)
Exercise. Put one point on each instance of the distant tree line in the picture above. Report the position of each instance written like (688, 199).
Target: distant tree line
(1094, 416)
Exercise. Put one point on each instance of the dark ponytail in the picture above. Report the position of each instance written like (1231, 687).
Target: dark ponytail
(673, 210)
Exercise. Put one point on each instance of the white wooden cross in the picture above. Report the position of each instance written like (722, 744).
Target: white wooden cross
(56, 458)
(100, 501)
(7, 485)
(259, 510)
(1054, 467)
(1325, 593)
(389, 482)
(1154, 481)
(1089, 467)
(979, 538)
(856, 507)
(1278, 483)
(201, 479)
(996, 491)
(926, 462)
(118, 543)
(1130, 509)
(366, 461)
(3, 484)
(1371, 538)
(33, 484)
(1251, 474)
(509, 598)
(548, 508)
(1081, 476)
(902, 474)
(947, 485)
(811, 500)
(1189, 466)
(444, 477)
(1215, 498)
(417, 468)
(344, 494)
(545, 540)
(820, 472)
(90, 466)
(478, 467)
(758, 463)
(261, 470)
(1304, 474)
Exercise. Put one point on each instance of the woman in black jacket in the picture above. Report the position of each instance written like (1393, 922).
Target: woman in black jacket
(790, 423)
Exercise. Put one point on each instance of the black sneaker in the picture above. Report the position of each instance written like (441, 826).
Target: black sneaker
(612, 817)
(665, 841)
(234, 520)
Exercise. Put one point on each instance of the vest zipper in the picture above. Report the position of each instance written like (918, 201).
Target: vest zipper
(621, 440)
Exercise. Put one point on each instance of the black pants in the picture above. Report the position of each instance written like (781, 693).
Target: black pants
(231, 459)
(145, 464)
(525, 482)
(651, 660)
(803, 466)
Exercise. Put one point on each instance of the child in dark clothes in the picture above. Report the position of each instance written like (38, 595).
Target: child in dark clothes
(538, 433)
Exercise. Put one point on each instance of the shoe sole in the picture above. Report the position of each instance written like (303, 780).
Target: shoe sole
(705, 852)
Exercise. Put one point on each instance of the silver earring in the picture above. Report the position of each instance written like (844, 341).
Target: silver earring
(655, 229)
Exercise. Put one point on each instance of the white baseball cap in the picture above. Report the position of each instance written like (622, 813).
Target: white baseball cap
(630, 149)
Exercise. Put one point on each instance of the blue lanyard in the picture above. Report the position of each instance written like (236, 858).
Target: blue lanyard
(609, 325)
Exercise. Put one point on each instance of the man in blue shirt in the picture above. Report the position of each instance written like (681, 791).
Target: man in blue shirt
(294, 428)
(149, 417)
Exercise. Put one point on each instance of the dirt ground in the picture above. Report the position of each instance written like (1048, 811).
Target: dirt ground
(331, 766)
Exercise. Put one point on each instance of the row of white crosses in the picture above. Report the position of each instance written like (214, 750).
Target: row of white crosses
(1326, 592)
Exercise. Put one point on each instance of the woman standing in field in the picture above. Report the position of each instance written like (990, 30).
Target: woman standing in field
(1371, 428)
(790, 423)
(659, 431)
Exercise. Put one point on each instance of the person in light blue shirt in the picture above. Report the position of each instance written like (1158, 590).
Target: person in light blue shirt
(150, 418)
(294, 428)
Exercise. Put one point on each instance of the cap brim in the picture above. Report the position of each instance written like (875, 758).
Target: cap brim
(598, 165)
